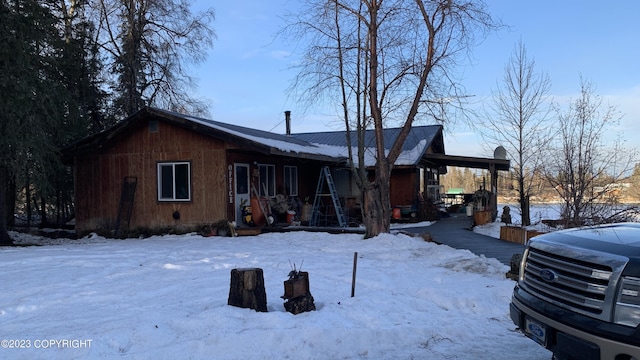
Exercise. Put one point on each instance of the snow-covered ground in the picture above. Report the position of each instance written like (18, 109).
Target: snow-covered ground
(166, 298)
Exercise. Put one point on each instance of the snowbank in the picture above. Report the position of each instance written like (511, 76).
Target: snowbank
(166, 298)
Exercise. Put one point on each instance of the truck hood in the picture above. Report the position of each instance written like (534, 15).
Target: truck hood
(621, 239)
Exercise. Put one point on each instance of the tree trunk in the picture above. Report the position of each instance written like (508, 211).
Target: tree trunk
(4, 189)
(10, 199)
(58, 205)
(43, 211)
(525, 209)
(27, 195)
(377, 212)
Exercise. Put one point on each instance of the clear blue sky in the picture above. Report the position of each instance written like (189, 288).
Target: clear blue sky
(248, 71)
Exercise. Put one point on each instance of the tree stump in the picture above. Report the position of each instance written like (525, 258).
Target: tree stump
(247, 289)
(296, 293)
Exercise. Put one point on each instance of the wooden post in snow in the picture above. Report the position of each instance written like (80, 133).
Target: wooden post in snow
(353, 277)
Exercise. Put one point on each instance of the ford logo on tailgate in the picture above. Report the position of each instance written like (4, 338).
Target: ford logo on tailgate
(548, 275)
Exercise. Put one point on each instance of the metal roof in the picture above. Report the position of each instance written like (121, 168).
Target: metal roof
(424, 144)
(247, 131)
(257, 140)
(429, 133)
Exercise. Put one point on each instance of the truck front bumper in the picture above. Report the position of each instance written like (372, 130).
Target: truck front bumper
(567, 342)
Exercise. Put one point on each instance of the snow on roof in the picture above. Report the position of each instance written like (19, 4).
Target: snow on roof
(331, 144)
(417, 142)
(283, 143)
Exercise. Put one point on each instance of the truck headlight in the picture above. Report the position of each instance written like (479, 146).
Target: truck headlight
(523, 261)
(628, 305)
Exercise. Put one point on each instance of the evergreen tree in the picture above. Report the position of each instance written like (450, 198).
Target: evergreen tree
(80, 102)
(50, 98)
(27, 44)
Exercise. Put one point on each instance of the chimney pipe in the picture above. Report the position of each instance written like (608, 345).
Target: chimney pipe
(287, 119)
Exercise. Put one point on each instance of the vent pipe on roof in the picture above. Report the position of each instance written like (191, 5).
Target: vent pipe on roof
(287, 120)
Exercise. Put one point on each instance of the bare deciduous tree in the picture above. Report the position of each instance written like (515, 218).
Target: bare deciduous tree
(518, 121)
(148, 43)
(585, 168)
(385, 62)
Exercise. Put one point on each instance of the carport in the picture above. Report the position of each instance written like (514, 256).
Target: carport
(441, 161)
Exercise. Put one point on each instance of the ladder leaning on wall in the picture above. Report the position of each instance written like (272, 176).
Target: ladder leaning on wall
(325, 177)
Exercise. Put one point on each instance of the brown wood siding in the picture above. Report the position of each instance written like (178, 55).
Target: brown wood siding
(404, 186)
(99, 177)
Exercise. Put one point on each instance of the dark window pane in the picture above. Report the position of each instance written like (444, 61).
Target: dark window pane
(272, 180)
(263, 180)
(166, 182)
(182, 181)
(267, 180)
(294, 181)
(287, 179)
(291, 180)
(153, 126)
(242, 180)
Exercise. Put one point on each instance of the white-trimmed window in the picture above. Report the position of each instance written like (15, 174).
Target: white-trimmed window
(174, 181)
(267, 180)
(291, 180)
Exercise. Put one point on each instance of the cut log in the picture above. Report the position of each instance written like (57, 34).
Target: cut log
(300, 304)
(296, 286)
(296, 293)
(247, 289)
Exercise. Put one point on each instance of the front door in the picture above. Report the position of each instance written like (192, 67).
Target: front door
(242, 194)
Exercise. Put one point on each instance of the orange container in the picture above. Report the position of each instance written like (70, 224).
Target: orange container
(256, 212)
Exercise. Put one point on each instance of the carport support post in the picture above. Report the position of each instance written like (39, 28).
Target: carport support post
(493, 201)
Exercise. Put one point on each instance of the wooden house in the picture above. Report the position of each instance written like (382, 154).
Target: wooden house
(413, 177)
(159, 169)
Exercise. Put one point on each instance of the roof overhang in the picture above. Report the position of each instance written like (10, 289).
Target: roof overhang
(440, 160)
